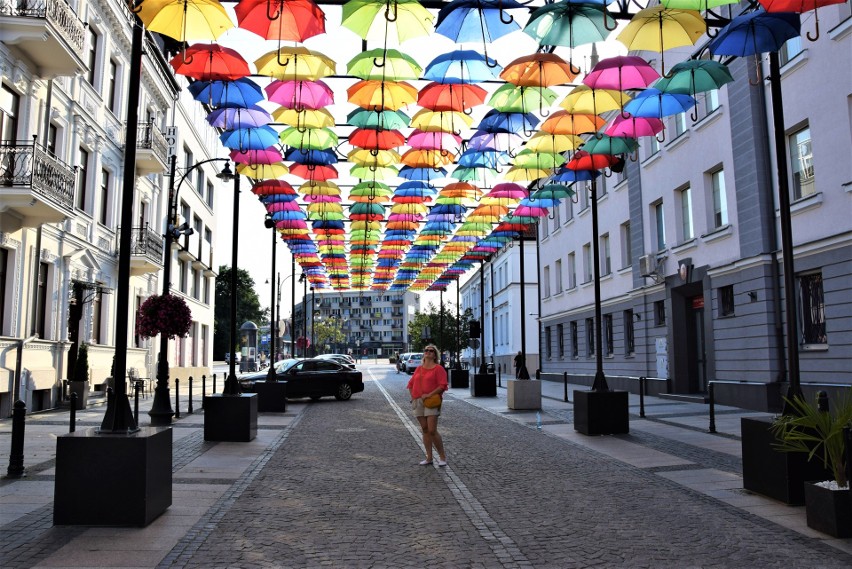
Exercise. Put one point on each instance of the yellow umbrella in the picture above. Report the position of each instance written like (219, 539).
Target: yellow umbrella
(295, 63)
(319, 189)
(377, 158)
(306, 118)
(186, 20)
(427, 158)
(440, 121)
(410, 208)
(515, 174)
(543, 141)
(585, 100)
(263, 171)
(659, 28)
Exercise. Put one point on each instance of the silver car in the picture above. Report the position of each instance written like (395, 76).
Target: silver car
(413, 362)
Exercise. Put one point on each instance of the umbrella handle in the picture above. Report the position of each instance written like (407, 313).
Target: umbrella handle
(606, 25)
(511, 17)
(657, 136)
(277, 8)
(816, 27)
(756, 81)
(694, 114)
(282, 63)
(391, 9)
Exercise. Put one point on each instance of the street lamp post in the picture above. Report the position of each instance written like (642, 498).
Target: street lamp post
(523, 373)
(599, 383)
(292, 307)
(313, 317)
(270, 376)
(304, 280)
(161, 408)
(232, 387)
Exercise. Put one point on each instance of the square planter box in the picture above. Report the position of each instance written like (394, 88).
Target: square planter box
(230, 418)
(271, 396)
(778, 475)
(459, 378)
(829, 511)
(112, 480)
(81, 388)
(523, 394)
(483, 385)
(601, 412)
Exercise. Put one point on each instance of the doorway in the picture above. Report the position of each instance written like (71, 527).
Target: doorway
(688, 354)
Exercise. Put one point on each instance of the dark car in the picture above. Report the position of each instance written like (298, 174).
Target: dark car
(312, 378)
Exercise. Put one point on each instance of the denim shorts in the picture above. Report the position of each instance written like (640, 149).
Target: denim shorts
(421, 410)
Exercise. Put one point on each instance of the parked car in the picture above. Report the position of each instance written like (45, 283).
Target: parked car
(314, 378)
(228, 357)
(341, 358)
(400, 363)
(413, 362)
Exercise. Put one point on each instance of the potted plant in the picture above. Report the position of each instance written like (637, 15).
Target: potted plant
(79, 383)
(818, 431)
(165, 314)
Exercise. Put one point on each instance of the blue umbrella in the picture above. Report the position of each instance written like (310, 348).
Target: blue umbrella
(654, 103)
(564, 175)
(757, 32)
(288, 215)
(477, 20)
(252, 138)
(411, 187)
(328, 224)
(461, 66)
(238, 93)
(496, 121)
(311, 157)
(447, 209)
(427, 174)
(278, 198)
(480, 158)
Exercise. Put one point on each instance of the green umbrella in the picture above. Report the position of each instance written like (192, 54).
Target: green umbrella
(694, 76)
(510, 98)
(553, 192)
(308, 138)
(367, 208)
(544, 160)
(605, 144)
(568, 24)
(388, 120)
(374, 19)
(384, 64)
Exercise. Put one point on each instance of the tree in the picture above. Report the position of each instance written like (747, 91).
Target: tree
(248, 308)
(446, 339)
(328, 331)
(81, 366)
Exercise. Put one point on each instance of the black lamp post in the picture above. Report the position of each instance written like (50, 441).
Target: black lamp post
(273, 329)
(232, 386)
(441, 321)
(457, 346)
(161, 408)
(599, 383)
(304, 280)
(292, 307)
(523, 373)
(483, 367)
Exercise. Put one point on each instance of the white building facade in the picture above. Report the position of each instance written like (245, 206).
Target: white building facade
(62, 129)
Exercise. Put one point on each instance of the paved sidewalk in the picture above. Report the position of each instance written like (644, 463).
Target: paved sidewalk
(337, 484)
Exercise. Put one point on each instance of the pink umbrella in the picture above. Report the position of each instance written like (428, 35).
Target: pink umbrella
(437, 140)
(269, 155)
(634, 127)
(291, 224)
(621, 73)
(300, 94)
(530, 211)
(282, 206)
(507, 190)
(323, 199)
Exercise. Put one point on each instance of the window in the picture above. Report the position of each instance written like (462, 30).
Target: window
(790, 50)
(587, 263)
(187, 158)
(544, 231)
(720, 199)
(547, 343)
(205, 284)
(9, 108)
(590, 337)
(546, 279)
(103, 215)
(93, 56)
(660, 313)
(560, 340)
(606, 260)
(678, 124)
(653, 146)
(556, 218)
(97, 315)
(802, 163)
(183, 272)
(659, 226)
(813, 309)
(210, 194)
(112, 86)
(38, 326)
(607, 334)
(686, 229)
(629, 337)
(205, 332)
(626, 249)
(4, 261)
(726, 300)
(199, 182)
(711, 101)
(557, 270)
(575, 342)
(52, 137)
(82, 179)
(196, 284)
(583, 195)
(572, 270)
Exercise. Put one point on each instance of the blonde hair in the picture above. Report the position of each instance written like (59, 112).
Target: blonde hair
(437, 351)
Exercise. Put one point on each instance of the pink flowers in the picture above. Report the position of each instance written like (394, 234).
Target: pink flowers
(165, 314)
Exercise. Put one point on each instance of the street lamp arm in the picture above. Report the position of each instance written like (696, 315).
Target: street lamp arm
(174, 189)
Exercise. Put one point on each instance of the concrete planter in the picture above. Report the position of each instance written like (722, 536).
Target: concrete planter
(523, 394)
(272, 396)
(230, 418)
(81, 388)
(829, 511)
(601, 412)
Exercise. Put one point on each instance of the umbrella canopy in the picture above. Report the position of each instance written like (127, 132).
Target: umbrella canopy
(654, 103)
(450, 96)
(186, 20)
(252, 138)
(621, 73)
(440, 121)
(574, 123)
(460, 66)
(304, 118)
(514, 99)
(241, 92)
(291, 20)
(634, 127)
(543, 141)
(300, 95)
(376, 139)
(605, 144)
(295, 63)
(230, 118)
(756, 32)
(568, 23)
(314, 172)
(659, 29)
(384, 64)
(381, 95)
(378, 118)
(308, 138)
(436, 140)
(375, 19)
(313, 157)
(583, 99)
(695, 76)
(538, 69)
(210, 62)
(269, 155)
(477, 20)
(263, 171)
(495, 121)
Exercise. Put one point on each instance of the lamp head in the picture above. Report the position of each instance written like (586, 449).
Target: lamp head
(226, 173)
(269, 223)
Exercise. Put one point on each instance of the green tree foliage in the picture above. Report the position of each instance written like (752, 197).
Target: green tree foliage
(445, 338)
(81, 366)
(248, 308)
(327, 332)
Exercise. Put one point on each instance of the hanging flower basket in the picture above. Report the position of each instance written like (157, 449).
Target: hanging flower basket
(166, 314)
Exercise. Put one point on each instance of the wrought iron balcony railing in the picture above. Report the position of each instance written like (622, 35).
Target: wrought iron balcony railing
(147, 243)
(57, 12)
(27, 165)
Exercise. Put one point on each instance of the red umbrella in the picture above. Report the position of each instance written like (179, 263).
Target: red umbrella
(272, 187)
(582, 160)
(799, 7)
(451, 97)
(291, 20)
(376, 139)
(319, 172)
(210, 62)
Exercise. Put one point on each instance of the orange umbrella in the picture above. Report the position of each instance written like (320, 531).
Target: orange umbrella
(382, 95)
(538, 70)
(572, 123)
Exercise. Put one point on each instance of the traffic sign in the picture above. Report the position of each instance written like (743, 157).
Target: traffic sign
(473, 343)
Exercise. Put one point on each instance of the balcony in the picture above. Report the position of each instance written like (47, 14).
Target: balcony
(146, 251)
(35, 184)
(396, 302)
(152, 150)
(397, 313)
(396, 338)
(46, 32)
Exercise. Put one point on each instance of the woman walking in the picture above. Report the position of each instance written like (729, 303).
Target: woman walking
(429, 379)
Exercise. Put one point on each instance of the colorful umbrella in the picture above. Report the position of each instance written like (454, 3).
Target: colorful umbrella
(756, 32)
(477, 20)
(568, 122)
(269, 155)
(450, 96)
(292, 20)
(314, 172)
(495, 121)
(300, 95)
(538, 70)
(659, 29)
(543, 141)
(568, 23)
(406, 18)
(381, 95)
(799, 7)
(377, 118)
(511, 98)
(585, 100)
(605, 144)
(634, 127)
(263, 171)
(242, 92)
(304, 118)
(185, 20)
(461, 66)
(384, 64)
(621, 73)
(230, 118)
(252, 138)
(210, 62)
(376, 139)
(436, 140)
(313, 157)
(440, 121)
(308, 138)
(694, 76)
(584, 161)
(653, 103)
(295, 63)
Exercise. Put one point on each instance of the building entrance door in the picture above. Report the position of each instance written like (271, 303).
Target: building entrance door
(698, 359)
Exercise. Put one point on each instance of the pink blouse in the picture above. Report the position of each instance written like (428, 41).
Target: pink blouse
(427, 380)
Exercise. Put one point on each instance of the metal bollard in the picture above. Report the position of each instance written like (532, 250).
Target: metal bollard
(642, 380)
(177, 398)
(711, 392)
(203, 389)
(73, 417)
(214, 384)
(16, 455)
(565, 386)
(189, 406)
(137, 385)
(499, 378)
(847, 436)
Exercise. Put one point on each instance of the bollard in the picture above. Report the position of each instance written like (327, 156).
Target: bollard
(177, 398)
(189, 406)
(847, 436)
(16, 455)
(214, 384)
(565, 386)
(73, 417)
(711, 392)
(203, 389)
(136, 386)
(538, 374)
(822, 401)
(499, 378)
(642, 380)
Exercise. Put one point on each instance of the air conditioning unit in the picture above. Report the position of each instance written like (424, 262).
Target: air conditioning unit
(648, 265)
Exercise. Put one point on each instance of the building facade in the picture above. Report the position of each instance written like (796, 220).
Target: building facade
(63, 109)
(691, 262)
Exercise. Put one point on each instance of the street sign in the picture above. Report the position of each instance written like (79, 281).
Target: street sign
(171, 139)
(473, 343)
